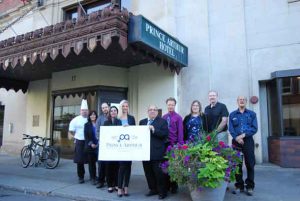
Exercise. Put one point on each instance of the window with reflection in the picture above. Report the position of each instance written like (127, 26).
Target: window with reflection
(65, 109)
(70, 12)
(291, 106)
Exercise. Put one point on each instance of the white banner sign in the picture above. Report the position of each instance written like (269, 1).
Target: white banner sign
(119, 143)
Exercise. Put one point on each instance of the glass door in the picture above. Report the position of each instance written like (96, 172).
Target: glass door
(65, 109)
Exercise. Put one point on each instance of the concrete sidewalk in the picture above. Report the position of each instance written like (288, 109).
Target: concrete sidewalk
(272, 183)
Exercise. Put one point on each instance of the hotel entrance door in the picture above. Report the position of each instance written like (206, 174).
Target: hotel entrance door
(66, 107)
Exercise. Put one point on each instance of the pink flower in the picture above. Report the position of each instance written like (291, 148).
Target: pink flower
(208, 138)
(222, 144)
(184, 147)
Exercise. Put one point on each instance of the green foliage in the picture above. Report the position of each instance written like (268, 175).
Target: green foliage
(202, 163)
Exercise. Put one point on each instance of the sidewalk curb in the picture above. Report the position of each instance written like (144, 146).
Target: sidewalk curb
(55, 194)
(25, 190)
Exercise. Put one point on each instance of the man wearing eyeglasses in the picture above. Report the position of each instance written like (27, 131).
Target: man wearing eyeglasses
(159, 133)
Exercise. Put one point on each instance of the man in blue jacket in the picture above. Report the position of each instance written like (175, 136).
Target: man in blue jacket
(242, 126)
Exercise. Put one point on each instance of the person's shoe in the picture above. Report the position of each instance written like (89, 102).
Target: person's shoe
(81, 180)
(100, 185)
(162, 196)
(249, 191)
(151, 192)
(110, 190)
(125, 191)
(120, 192)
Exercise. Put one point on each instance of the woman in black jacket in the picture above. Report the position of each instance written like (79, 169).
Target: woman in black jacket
(195, 123)
(91, 144)
(125, 166)
(112, 167)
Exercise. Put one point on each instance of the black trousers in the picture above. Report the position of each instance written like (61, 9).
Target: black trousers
(248, 151)
(155, 177)
(92, 159)
(80, 170)
(124, 173)
(111, 173)
(101, 171)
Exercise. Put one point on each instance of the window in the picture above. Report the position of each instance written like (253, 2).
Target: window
(65, 109)
(71, 12)
(291, 107)
(286, 86)
(284, 106)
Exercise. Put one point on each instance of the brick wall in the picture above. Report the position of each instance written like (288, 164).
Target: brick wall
(6, 5)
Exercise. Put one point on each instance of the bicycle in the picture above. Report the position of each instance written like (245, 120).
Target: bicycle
(27, 151)
(40, 152)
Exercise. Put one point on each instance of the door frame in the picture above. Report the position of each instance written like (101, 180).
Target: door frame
(2, 108)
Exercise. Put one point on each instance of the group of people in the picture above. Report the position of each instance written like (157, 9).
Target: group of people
(169, 129)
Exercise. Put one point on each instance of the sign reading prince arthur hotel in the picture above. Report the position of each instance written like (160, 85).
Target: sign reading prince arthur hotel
(144, 31)
(119, 143)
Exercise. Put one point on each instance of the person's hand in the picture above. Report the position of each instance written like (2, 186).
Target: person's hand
(93, 146)
(239, 139)
(151, 128)
(70, 136)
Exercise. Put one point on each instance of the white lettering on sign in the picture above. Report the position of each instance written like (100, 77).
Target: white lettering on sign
(168, 45)
(155, 32)
(166, 48)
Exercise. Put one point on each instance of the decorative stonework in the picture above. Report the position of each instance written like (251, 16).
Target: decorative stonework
(88, 31)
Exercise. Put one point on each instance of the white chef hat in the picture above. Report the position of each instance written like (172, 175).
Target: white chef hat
(84, 105)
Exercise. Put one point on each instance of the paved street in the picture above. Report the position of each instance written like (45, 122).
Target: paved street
(272, 184)
(9, 195)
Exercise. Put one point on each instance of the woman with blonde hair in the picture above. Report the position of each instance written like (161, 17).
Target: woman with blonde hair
(124, 166)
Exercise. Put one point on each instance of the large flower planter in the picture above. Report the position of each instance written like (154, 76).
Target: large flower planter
(210, 194)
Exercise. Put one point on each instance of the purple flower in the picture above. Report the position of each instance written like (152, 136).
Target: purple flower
(164, 165)
(173, 155)
(186, 160)
(169, 148)
(199, 189)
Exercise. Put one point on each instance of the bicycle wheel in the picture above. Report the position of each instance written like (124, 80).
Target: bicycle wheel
(26, 156)
(51, 158)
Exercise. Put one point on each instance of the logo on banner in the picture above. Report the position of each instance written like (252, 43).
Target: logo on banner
(124, 137)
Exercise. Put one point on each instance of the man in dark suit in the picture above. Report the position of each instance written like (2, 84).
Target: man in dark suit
(153, 172)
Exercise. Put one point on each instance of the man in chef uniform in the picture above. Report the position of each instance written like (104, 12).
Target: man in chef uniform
(76, 130)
